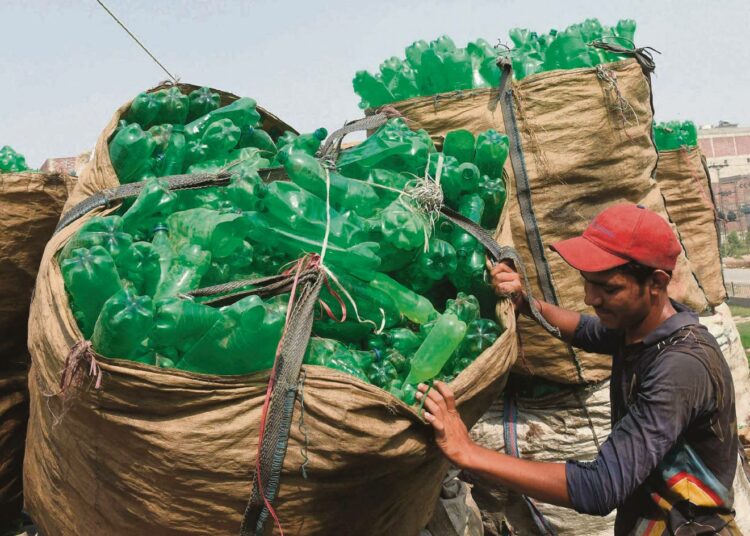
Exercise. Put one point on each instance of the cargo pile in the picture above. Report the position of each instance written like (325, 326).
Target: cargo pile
(440, 66)
(406, 301)
(11, 161)
(673, 135)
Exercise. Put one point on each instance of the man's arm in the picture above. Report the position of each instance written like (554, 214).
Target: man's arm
(544, 481)
(669, 398)
(507, 282)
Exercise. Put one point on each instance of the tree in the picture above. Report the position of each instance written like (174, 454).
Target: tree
(732, 247)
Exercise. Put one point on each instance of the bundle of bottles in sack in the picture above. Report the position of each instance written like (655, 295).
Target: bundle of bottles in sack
(440, 66)
(405, 299)
(672, 135)
(11, 161)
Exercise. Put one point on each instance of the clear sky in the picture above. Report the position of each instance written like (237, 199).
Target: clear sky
(65, 66)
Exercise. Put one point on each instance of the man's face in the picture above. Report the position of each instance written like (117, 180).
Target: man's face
(618, 300)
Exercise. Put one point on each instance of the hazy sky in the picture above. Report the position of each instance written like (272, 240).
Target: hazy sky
(65, 66)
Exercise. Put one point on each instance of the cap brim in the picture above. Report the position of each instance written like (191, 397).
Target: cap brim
(586, 256)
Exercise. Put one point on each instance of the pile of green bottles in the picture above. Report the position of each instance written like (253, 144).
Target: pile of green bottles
(429, 69)
(168, 133)
(410, 285)
(568, 49)
(11, 161)
(675, 135)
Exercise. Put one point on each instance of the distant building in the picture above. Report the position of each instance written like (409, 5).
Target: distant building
(726, 147)
(72, 165)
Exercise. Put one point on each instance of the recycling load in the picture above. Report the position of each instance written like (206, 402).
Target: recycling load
(674, 135)
(440, 66)
(405, 301)
(11, 161)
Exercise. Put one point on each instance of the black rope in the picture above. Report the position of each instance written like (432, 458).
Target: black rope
(147, 51)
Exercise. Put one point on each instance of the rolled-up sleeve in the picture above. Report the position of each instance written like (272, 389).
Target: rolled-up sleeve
(671, 395)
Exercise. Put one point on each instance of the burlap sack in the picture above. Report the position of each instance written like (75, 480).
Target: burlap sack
(98, 174)
(157, 451)
(572, 424)
(585, 143)
(30, 205)
(684, 181)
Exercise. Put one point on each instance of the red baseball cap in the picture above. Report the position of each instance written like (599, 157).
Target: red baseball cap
(621, 234)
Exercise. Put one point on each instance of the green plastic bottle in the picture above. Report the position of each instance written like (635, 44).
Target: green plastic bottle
(491, 152)
(493, 193)
(186, 270)
(242, 113)
(432, 76)
(174, 107)
(360, 259)
(414, 53)
(460, 145)
(123, 327)
(201, 102)
(458, 68)
(129, 151)
(402, 227)
(393, 146)
(431, 266)
(103, 231)
(90, 278)
(140, 266)
(217, 233)
(320, 350)
(299, 210)
(160, 134)
(175, 153)
(244, 340)
(382, 373)
(437, 348)
(258, 138)
(371, 303)
(464, 306)
(480, 335)
(179, 324)
(403, 340)
(485, 72)
(626, 32)
(416, 308)
(308, 173)
(153, 205)
(145, 108)
(220, 137)
(371, 89)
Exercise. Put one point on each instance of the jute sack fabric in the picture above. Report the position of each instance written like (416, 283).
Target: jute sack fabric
(584, 143)
(30, 204)
(98, 174)
(684, 181)
(157, 451)
(572, 424)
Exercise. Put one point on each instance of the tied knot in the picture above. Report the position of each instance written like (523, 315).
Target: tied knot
(427, 195)
(79, 364)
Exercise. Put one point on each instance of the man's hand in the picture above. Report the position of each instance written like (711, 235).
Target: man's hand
(451, 434)
(506, 282)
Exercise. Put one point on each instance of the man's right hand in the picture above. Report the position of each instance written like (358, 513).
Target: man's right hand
(506, 283)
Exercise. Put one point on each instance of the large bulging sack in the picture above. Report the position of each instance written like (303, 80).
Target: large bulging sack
(147, 450)
(580, 141)
(584, 143)
(684, 181)
(30, 204)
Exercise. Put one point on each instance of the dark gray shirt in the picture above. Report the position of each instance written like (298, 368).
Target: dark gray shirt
(673, 428)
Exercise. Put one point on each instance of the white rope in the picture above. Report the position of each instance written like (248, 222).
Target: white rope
(328, 216)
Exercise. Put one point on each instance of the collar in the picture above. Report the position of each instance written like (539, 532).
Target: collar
(683, 317)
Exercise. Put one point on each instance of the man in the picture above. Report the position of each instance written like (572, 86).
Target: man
(669, 463)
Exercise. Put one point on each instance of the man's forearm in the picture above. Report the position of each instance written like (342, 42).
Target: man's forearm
(566, 321)
(546, 482)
